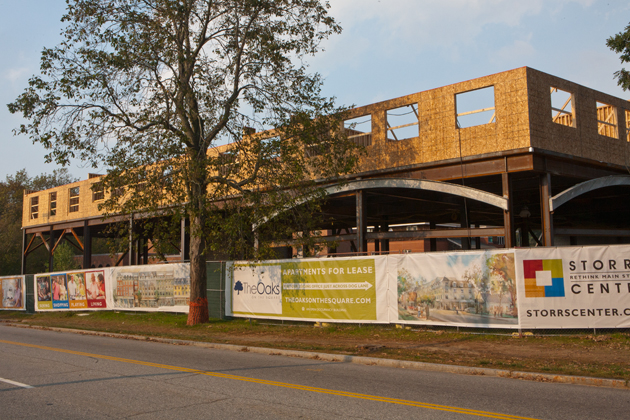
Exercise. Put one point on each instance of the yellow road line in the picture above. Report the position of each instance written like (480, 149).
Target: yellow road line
(397, 401)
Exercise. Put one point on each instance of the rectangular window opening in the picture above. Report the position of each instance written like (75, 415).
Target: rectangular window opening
(403, 122)
(607, 120)
(228, 161)
(475, 107)
(359, 130)
(627, 125)
(74, 199)
(98, 191)
(562, 107)
(52, 201)
(34, 207)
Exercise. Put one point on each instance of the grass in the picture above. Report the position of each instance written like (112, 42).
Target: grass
(604, 356)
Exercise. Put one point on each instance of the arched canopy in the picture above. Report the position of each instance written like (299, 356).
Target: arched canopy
(406, 183)
(586, 186)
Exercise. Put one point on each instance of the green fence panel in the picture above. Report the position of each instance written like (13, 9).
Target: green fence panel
(30, 293)
(215, 277)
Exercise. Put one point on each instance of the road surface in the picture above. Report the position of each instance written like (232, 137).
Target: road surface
(45, 375)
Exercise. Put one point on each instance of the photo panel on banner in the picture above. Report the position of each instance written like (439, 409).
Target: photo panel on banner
(74, 290)
(472, 289)
(343, 289)
(12, 293)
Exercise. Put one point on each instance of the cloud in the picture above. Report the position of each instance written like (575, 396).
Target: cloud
(15, 74)
(514, 55)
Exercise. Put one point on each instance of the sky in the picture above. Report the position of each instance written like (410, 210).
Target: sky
(388, 48)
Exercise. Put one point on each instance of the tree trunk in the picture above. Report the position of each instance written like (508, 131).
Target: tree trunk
(198, 309)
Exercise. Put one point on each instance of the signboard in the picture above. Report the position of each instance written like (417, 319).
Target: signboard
(348, 289)
(576, 287)
(12, 293)
(454, 288)
(157, 287)
(76, 290)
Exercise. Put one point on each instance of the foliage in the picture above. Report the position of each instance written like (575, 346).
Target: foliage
(11, 200)
(620, 44)
(151, 87)
(64, 258)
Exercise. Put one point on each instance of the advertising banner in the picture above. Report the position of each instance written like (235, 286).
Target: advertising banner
(454, 288)
(348, 289)
(157, 287)
(75, 290)
(12, 293)
(574, 287)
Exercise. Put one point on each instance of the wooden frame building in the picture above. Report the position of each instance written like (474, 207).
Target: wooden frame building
(518, 158)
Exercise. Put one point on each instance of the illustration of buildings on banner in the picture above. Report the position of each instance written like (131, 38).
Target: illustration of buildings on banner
(150, 289)
(472, 289)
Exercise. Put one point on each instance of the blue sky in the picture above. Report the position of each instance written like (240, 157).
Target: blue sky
(388, 48)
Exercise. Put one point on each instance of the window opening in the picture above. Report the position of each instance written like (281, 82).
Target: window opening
(74, 199)
(359, 130)
(34, 207)
(562, 109)
(627, 125)
(607, 120)
(228, 161)
(475, 107)
(402, 123)
(98, 191)
(52, 200)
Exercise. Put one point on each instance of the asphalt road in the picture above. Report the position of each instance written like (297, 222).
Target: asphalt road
(46, 374)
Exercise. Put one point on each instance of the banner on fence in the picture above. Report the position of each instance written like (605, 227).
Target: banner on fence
(454, 288)
(585, 287)
(158, 287)
(12, 293)
(349, 289)
(74, 290)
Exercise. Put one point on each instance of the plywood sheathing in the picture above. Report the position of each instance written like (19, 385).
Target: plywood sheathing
(439, 138)
(523, 119)
(583, 140)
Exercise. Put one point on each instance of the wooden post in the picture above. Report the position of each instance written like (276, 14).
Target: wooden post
(508, 215)
(465, 225)
(132, 255)
(184, 243)
(361, 222)
(23, 271)
(87, 246)
(51, 245)
(545, 211)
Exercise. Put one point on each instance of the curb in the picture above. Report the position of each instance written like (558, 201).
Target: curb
(362, 360)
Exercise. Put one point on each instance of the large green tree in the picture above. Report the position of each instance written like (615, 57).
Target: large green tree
(620, 43)
(11, 199)
(150, 87)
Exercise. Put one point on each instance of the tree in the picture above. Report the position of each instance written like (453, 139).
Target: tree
(11, 200)
(64, 259)
(620, 44)
(149, 88)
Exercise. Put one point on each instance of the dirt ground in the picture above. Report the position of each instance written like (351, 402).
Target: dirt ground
(602, 355)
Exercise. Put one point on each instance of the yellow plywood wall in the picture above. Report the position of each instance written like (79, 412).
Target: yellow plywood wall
(584, 139)
(522, 103)
(439, 137)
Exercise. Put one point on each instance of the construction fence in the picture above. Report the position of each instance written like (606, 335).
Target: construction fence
(524, 288)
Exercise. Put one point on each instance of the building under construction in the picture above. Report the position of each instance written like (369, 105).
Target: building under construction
(519, 158)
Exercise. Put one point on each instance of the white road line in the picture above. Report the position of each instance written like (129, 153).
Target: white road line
(15, 383)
